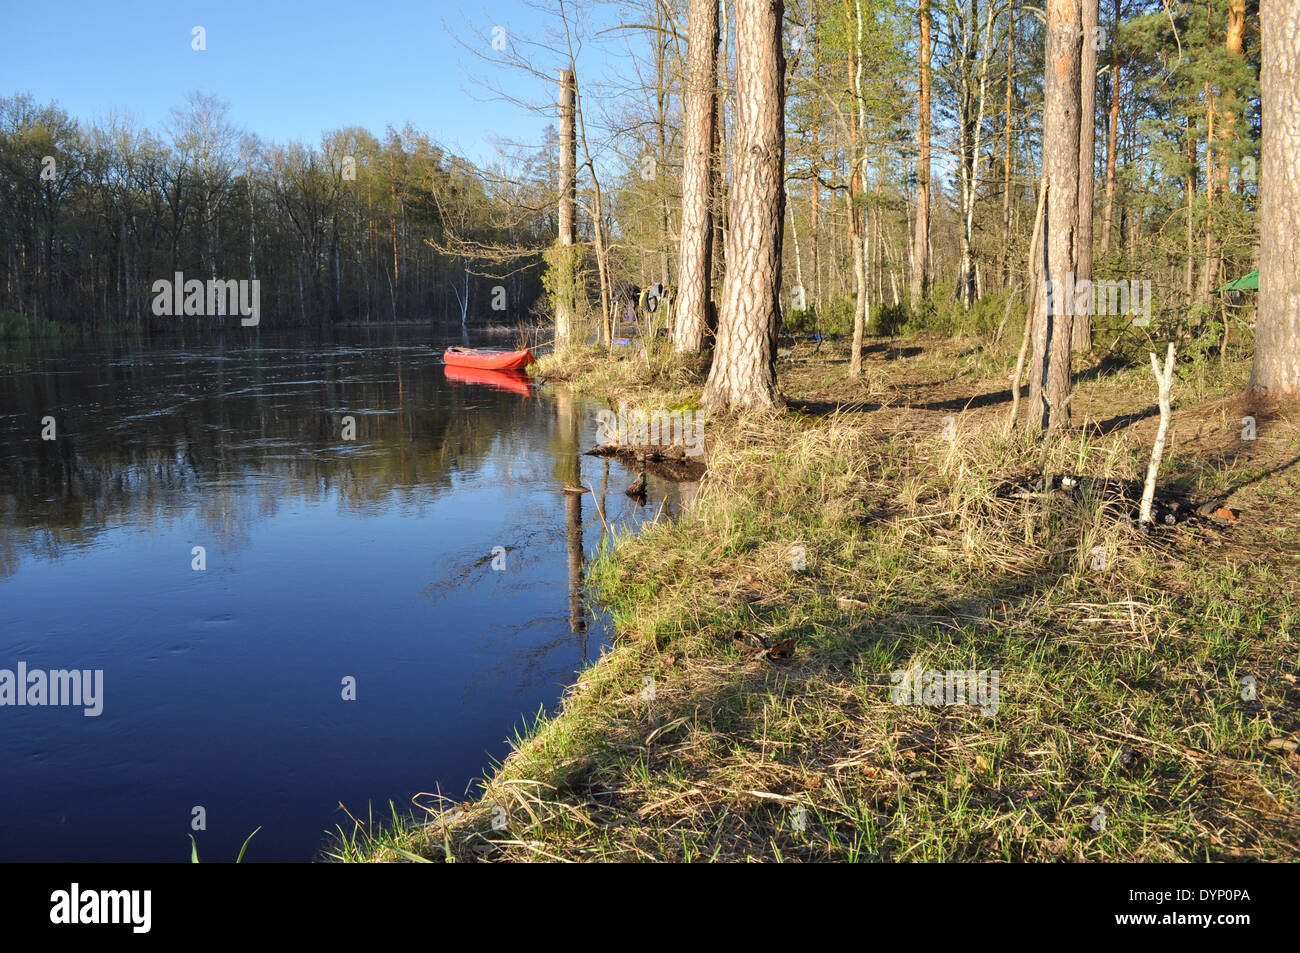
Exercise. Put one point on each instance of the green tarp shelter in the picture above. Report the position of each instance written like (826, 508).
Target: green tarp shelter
(1248, 282)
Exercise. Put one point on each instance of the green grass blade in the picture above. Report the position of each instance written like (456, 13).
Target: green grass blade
(413, 858)
(240, 858)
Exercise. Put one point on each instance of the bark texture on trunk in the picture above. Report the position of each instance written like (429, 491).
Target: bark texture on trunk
(743, 373)
(1112, 134)
(1082, 328)
(1006, 158)
(1276, 370)
(921, 240)
(695, 267)
(1049, 381)
(857, 211)
(565, 304)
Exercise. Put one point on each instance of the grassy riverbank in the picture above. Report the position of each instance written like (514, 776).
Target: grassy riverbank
(1147, 704)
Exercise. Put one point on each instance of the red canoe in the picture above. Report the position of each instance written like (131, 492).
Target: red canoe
(514, 381)
(488, 359)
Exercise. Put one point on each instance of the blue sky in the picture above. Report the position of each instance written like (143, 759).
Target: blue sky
(289, 70)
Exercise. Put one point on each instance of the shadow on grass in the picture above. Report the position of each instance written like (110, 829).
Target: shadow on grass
(1228, 493)
(1110, 425)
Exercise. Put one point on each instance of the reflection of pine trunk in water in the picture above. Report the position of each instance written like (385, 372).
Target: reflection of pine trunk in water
(604, 494)
(568, 467)
(573, 534)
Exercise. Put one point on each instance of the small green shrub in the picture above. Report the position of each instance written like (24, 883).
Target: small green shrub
(889, 318)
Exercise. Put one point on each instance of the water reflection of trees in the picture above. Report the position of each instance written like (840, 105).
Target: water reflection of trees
(568, 467)
(226, 436)
(221, 439)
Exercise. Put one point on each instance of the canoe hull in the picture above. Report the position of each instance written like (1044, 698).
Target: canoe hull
(488, 360)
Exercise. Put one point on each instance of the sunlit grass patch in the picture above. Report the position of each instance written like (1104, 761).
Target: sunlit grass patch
(1147, 680)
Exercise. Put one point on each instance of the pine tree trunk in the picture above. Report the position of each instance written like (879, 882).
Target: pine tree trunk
(722, 166)
(1210, 269)
(1049, 381)
(1276, 370)
(565, 304)
(921, 241)
(1112, 134)
(859, 276)
(1189, 191)
(695, 266)
(1226, 118)
(857, 190)
(969, 289)
(1081, 337)
(662, 94)
(814, 201)
(1006, 158)
(744, 364)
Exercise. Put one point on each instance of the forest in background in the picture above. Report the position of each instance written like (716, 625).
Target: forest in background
(355, 229)
(360, 228)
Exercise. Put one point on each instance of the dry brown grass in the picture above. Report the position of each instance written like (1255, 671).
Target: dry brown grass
(1121, 688)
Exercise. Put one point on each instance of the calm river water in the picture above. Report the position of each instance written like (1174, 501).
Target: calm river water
(328, 563)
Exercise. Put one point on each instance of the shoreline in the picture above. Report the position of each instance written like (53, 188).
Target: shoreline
(745, 710)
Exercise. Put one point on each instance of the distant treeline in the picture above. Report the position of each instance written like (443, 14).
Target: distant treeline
(356, 229)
